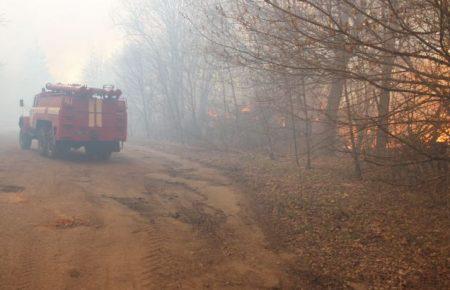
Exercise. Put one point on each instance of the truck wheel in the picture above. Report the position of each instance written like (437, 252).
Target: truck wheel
(90, 151)
(62, 149)
(25, 140)
(47, 143)
(104, 155)
(93, 152)
(52, 146)
(42, 142)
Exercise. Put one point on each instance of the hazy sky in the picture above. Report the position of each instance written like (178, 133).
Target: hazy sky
(66, 30)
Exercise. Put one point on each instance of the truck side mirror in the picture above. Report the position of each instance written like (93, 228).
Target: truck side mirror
(22, 103)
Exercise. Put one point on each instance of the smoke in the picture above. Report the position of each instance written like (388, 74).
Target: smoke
(49, 40)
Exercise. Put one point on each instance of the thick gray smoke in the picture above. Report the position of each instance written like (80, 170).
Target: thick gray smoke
(39, 43)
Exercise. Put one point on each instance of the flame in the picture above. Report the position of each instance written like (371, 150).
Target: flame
(246, 109)
(213, 113)
(444, 137)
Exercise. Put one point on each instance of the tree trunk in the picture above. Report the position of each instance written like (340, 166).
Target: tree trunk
(383, 105)
(237, 111)
(354, 150)
(293, 127)
(307, 126)
(387, 63)
(333, 101)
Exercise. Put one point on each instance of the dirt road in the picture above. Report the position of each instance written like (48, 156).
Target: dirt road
(144, 220)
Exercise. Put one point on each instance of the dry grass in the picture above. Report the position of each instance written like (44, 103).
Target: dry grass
(344, 232)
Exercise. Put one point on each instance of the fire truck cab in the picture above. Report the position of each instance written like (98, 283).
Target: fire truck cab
(65, 117)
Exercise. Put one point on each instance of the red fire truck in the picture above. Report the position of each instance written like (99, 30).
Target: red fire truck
(65, 117)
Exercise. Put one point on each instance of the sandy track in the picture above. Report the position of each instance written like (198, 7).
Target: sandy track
(144, 220)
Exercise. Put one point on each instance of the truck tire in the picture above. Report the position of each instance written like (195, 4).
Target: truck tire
(90, 151)
(48, 146)
(104, 155)
(42, 142)
(25, 140)
(94, 152)
(52, 146)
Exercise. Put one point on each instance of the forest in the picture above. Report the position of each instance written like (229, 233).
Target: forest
(293, 79)
(334, 113)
